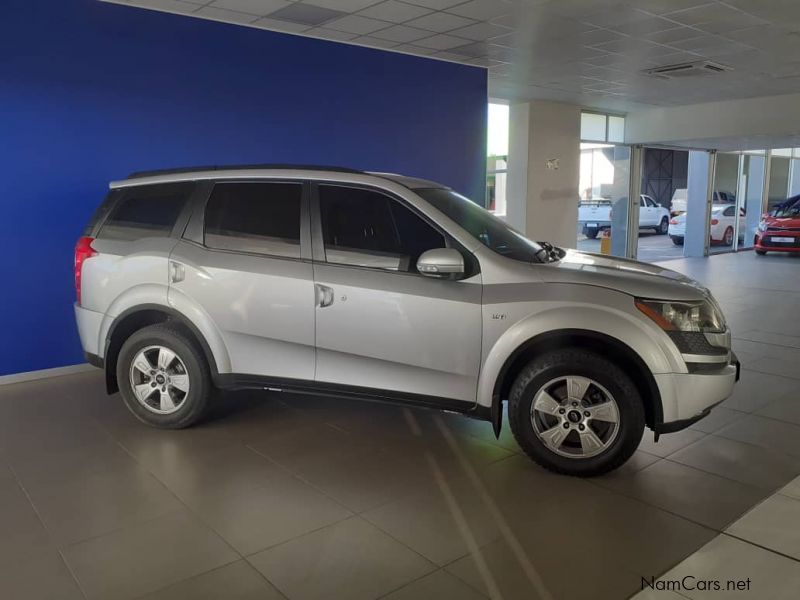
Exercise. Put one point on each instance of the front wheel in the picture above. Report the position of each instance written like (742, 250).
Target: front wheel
(663, 228)
(761, 252)
(163, 377)
(576, 413)
(591, 233)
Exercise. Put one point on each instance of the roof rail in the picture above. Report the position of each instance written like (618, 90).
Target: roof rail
(154, 173)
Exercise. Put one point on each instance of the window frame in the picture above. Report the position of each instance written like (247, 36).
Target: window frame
(118, 196)
(471, 264)
(195, 229)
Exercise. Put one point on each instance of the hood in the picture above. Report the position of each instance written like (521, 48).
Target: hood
(625, 275)
(782, 221)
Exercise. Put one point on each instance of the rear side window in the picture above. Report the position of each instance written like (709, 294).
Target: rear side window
(147, 211)
(101, 211)
(262, 218)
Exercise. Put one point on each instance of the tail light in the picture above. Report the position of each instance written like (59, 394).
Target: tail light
(83, 250)
(715, 221)
(673, 222)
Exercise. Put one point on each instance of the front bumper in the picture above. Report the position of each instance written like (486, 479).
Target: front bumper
(763, 241)
(693, 395)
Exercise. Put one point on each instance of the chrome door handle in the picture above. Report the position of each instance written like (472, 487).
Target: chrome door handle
(176, 272)
(324, 295)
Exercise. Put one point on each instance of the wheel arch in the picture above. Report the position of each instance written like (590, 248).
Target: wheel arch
(601, 343)
(144, 315)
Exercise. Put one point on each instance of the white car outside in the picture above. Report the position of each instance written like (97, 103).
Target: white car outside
(595, 215)
(722, 225)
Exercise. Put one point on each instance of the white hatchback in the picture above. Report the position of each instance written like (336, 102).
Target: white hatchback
(722, 225)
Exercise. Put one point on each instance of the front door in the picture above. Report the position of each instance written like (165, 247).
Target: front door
(249, 273)
(380, 324)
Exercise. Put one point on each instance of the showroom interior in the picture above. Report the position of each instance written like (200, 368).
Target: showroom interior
(660, 131)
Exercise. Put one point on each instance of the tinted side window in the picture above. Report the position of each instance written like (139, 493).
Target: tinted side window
(369, 229)
(730, 211)
(263, 218)
(146, 211)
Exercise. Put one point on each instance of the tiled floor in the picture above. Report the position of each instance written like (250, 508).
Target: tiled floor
(303, 498)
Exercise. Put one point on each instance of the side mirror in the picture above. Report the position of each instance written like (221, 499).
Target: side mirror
(440, 261)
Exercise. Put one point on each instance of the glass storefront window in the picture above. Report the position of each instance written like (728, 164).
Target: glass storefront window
(497, 158)
(593, 127)
(616, 129)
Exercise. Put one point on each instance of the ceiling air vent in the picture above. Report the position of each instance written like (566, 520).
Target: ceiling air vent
(689, 69)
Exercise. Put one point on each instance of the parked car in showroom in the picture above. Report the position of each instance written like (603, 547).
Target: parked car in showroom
(594, 216)
(383, 287)
(722, 226)
(779, 229)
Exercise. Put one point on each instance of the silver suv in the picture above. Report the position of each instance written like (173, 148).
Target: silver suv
(388, 288)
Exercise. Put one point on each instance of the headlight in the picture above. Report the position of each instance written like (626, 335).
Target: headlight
(702, 317)
(762, 226)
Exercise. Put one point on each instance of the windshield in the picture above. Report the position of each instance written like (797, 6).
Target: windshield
(789, 209)
(484, 226)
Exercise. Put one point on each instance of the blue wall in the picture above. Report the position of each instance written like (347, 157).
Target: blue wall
(92, 91)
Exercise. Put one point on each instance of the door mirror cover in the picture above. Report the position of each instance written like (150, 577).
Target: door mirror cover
(440, 262)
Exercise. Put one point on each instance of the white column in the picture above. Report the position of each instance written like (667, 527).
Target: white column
(543, 170)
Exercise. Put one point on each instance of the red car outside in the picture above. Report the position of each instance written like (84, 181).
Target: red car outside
(779, 230)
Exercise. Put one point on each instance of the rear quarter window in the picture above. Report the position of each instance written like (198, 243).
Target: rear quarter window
(146, 211)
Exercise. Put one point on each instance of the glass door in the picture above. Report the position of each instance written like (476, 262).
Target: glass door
(750, 197)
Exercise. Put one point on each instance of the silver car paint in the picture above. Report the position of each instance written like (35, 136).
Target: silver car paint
(399, 331)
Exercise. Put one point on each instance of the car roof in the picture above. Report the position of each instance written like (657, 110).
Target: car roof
(256, 170)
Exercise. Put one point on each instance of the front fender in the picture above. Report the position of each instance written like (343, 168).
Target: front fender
(649, 343)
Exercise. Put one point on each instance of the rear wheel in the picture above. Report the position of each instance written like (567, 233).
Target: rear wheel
(575, 412)
(663, 228)
(727, 239)
(163, 378)
(592, 233)
(678, 241)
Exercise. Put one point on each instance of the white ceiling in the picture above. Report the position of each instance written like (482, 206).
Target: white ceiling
(589, 52)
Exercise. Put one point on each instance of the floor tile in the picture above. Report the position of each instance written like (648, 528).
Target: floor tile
(40, 576)
(755, 389)
(669, 442)
(236, 581)
(76, 508)
(146, 557)
(351, 560)
(719, 417)
(768, 433)
(696, 495)
(427, 524)
(439, 585)
(785, 367)
(792, 489)
(21, 531)
(545, 575)
(727, 559)
(257, 516)
(774, 524)
(783, 409)
(740, 461)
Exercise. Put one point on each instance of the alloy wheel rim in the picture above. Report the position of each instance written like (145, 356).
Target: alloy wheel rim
(159, 380)
(575, 416)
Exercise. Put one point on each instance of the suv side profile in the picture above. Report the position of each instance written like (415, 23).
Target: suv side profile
(388, 288)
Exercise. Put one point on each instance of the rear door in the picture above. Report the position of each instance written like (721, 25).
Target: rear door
(244, 265)
(380, 324)
(135, 230)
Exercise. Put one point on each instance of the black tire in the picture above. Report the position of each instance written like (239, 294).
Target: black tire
(727, 237)
(761, 252)
(663, 228)
(592, 233)
(196, 401)
(678, 241)
(582, 363)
